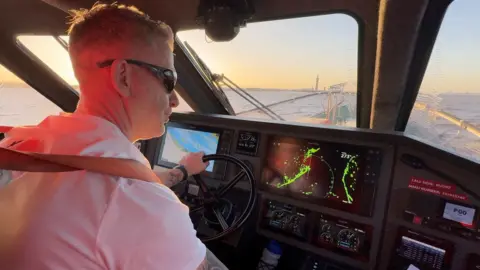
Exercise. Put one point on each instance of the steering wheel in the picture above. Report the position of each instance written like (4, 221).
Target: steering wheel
(213, 202)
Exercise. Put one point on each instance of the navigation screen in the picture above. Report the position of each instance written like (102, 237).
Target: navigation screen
(326, 171)
(180, 141)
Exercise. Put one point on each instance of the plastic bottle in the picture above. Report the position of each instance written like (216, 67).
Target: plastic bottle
(271, 255)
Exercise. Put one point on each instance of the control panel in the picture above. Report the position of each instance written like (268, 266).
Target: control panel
(452, 217)
(285, 218)
(343, 236)
(318, 230)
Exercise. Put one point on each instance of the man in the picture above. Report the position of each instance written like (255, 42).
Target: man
(82, 220)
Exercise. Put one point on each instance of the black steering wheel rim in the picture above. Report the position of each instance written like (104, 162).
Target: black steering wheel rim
(247, 212)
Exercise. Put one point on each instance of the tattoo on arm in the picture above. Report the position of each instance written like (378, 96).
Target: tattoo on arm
(174, 177)
(170, 177)
(203, 265)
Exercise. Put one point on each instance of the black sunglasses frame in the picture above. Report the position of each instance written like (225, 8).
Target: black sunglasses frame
(168, 76)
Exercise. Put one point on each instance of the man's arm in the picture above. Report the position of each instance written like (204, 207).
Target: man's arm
(203, 265)
(146, 227)
(211, 262)
(170, 177)
(192, 163)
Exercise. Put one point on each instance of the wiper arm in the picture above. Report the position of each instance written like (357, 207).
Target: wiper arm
(216, 79)
(245, 95)
(62, 42)
(206, 74)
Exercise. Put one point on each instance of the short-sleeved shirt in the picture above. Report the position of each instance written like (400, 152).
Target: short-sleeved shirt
(85, 220)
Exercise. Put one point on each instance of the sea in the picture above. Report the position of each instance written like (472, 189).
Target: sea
(25, 106)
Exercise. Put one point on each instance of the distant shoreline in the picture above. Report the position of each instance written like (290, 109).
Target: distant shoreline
(23, 86)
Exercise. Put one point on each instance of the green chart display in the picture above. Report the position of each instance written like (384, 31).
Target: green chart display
(312, 169)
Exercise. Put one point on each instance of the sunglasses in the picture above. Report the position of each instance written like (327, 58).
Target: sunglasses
(168, 76)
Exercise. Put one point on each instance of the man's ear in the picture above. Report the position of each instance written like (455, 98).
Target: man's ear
(121, 76)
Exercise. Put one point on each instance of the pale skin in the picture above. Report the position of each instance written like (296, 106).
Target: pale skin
(132, 98)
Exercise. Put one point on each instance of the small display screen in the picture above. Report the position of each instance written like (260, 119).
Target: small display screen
(421, 253)
(247, 143)
(326, 171)
(459, 213)
(180, 141)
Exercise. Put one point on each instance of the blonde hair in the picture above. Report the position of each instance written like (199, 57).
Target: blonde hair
(107, 24)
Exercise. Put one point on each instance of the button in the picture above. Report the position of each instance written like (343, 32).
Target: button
(417, 220)
(464, 233)
(444, 227)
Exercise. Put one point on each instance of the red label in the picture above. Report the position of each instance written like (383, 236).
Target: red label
(432, 184)
(437, 188)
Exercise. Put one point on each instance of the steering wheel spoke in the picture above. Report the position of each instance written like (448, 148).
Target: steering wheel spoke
(197, 208)
(204, 188)
(215, 208)
(220, 218)
(223, 190)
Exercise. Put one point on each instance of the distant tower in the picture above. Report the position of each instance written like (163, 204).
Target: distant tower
(316, 84)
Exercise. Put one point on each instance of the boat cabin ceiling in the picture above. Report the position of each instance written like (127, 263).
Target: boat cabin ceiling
(381, 175)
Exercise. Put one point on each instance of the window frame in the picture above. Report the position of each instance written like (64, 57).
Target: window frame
(427, 36)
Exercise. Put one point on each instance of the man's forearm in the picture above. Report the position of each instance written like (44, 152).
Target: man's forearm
(211, 262)
(170, 177)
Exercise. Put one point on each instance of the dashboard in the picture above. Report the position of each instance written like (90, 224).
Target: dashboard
(368, 200)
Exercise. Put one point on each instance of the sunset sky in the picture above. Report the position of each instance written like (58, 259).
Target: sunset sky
(289, 54)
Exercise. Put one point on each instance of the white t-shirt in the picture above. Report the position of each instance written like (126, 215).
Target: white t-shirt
(84, 220)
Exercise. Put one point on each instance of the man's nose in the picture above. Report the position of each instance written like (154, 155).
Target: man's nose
(174, 102)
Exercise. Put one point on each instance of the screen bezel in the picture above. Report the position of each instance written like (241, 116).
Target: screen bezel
(355, 207)
(218, 170)
(426, 239)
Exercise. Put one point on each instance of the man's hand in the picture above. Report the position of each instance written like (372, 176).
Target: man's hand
(193, 163)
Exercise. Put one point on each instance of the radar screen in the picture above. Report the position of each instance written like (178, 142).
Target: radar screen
(316, 170)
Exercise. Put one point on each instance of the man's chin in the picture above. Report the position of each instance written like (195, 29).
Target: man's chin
(158, 132)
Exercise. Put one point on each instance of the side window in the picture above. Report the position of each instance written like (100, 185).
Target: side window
(447, 109)
(49, 51)
(20, 104)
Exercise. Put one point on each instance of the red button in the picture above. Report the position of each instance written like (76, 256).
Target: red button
(417, 220)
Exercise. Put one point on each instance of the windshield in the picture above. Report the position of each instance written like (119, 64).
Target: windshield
(300, 69)
(447, 111)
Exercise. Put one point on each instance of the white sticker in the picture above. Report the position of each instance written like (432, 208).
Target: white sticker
(412, 267)
(459, 213)
(193, 189)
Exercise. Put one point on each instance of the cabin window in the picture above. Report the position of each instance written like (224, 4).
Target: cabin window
(447, 108)
(20, 104)
(302, 69)
(55, 56)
